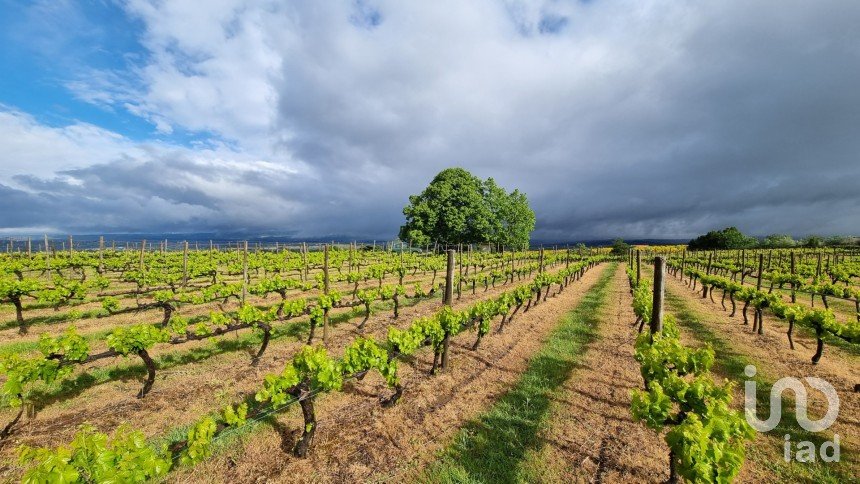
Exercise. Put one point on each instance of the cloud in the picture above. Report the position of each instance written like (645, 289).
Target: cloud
(617, 118)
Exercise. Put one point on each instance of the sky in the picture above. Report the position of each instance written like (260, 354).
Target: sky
(639, 119)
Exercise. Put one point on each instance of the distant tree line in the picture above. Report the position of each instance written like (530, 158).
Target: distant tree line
(732, 238)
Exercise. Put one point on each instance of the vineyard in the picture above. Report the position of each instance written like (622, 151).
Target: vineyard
(339, 363)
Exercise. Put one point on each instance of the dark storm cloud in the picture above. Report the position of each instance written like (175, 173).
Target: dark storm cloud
(656, 119)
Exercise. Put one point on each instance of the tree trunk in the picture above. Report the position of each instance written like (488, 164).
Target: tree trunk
(307, 403)
(819, 349)
(366, 315)
(502, 324)
(150, 376)
(435, 361)
(673, 473)
(390, 401)
(790, 331)
(267, 334)
(19, 315)
(478, 340)
(311, 335)
(446, 343)
(10, 427)
(511, 318)
(168, 312)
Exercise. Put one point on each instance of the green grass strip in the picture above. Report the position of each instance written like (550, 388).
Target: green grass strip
(493, 447)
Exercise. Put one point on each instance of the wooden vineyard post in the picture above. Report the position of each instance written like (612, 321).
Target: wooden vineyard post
(760, 267)
(793, 286)
(638, 266)
(449, 279)
(743, 266)
(759, 316)
(142, 250)
(47, 254)
(245, 273)
(683, 263)
(304, 261)
(656, 325)
(325, 291)
(29, 248)
(449, 293)
(101, 256)
(185, 264)
(540, 265)
(459, 268)
(818, 267)
(72, 249)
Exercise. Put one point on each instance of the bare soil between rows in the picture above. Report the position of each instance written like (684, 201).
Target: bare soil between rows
(357, 440)
(185, 392)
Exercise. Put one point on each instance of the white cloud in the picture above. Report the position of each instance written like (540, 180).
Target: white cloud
(32, 148)
(626, 117)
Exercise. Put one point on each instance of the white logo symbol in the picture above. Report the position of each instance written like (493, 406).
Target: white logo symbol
(800, 406)
(805, 450)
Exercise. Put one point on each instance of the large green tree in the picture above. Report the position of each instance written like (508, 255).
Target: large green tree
(458, 207)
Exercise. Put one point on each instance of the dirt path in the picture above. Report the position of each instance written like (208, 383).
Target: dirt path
(592, 437)
(359, 441)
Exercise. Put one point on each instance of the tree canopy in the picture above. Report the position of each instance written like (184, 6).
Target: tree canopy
(619, 247)
(728, 238)
(459, 208)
